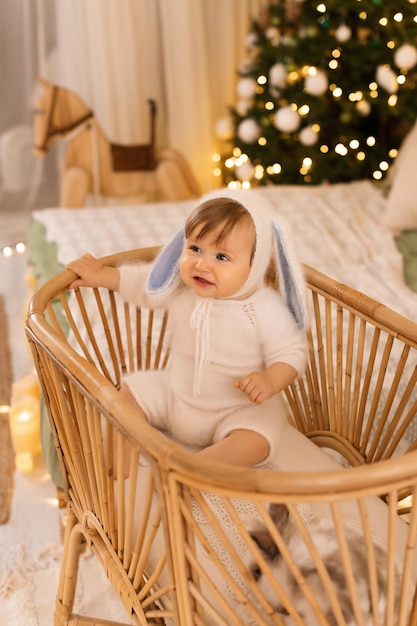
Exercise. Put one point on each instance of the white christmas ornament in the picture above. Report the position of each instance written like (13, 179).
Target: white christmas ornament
(272, 33)
(224, 128)
(343, 33)
(386, 78)
(246, 66)
(406, 56)
(307, 136)
(286, 119)
(249, 131)
(316, 84)
(243, 106)
(246, 87)
(289, 41)
(311, 31)
(245, 171)
(251, 40)
(278, 75)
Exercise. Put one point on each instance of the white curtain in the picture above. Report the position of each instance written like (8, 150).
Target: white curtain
(20, 172)
(18, 65)
(182, 53)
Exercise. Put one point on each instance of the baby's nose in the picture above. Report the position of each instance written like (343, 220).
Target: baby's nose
(203, 264)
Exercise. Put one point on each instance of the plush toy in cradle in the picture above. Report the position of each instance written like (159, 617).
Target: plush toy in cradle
(325, 541)
(94, 165)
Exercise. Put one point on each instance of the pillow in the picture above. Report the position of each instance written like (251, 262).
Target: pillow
(401, 208)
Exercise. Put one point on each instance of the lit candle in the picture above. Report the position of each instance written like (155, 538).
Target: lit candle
(24, 463)
(27, 386)
(25, 431)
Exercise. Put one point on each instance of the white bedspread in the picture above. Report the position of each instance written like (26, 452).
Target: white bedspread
(337, 229)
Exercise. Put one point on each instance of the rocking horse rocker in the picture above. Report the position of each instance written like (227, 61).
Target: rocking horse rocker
(94, 165)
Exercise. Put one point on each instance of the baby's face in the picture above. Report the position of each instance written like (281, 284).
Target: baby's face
(218, 270)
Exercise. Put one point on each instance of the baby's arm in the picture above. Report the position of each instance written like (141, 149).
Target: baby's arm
(260, 386)
(92, 273)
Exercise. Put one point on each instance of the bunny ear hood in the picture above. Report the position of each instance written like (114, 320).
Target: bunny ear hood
(165, 271)
(273, 239)
(291, 279)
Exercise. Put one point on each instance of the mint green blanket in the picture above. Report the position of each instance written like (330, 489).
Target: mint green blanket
(407, 245)
(43, 257)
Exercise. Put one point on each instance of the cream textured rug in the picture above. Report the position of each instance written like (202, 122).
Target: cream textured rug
(30, 546)
(6, 451)
(30, 558)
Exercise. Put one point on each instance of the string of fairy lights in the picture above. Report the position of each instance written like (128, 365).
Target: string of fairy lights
(292, 117)
(7, 252)
(16, 248)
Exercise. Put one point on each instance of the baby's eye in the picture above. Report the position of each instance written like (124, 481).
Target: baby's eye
(194, 248)
(222, 257)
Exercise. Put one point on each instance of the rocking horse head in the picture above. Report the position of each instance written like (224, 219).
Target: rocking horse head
(58, 111)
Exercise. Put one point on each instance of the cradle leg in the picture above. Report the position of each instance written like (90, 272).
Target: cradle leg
(75, 187)
(413, 614)
(73, 546)
(61, 497)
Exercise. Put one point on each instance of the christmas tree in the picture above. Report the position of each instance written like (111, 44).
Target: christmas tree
(327, 93)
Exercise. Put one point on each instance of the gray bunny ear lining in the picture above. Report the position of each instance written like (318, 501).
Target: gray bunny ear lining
(166, 266)
(290, 278)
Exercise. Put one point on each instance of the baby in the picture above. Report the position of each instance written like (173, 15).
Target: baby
(236, 343)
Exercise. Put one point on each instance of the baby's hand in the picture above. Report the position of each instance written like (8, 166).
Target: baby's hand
(258, 386)
(91, 272)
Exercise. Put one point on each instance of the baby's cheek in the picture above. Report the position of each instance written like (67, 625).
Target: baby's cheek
(183, 265)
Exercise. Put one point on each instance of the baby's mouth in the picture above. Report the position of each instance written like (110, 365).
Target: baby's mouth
(202, 281)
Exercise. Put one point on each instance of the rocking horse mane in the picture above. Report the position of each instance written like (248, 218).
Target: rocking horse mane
(93, 164)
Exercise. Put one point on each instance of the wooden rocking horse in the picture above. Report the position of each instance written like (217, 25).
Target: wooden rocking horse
(131, 173)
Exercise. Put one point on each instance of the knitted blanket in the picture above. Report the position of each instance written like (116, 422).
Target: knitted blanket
(337, 229)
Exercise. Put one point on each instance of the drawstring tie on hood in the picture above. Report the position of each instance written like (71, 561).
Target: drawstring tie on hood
(199, 322)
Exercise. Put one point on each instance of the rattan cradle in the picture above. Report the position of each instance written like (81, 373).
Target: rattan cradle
(173, 536)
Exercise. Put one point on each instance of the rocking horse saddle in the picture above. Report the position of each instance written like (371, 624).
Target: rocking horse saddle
(132, 158)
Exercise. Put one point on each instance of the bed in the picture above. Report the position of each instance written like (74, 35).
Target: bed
(338, 229)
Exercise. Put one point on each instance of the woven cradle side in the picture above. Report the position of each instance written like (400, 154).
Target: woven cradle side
(201, 543)
(358, 395)
(82, 344)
